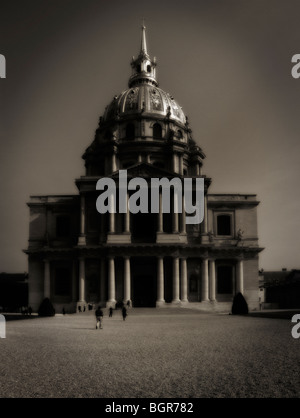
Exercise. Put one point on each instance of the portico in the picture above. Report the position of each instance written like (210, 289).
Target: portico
(151, 271)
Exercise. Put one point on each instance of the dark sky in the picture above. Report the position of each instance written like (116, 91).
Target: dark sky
(227, 63)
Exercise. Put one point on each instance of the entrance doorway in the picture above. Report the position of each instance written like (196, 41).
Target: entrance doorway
(144, 278)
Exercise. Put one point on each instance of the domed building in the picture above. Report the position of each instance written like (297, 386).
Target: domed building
(79, 257)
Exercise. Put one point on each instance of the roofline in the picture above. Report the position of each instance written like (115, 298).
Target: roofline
(232, 194)
(53, 195)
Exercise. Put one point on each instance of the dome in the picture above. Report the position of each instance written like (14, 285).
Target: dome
(144, 99)
(143, 124)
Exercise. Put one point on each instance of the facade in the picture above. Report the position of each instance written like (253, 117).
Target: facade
(77, 256)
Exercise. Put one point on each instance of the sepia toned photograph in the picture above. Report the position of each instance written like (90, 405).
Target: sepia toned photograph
(150, 207)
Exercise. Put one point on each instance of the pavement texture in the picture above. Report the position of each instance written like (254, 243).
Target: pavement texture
(155, 353)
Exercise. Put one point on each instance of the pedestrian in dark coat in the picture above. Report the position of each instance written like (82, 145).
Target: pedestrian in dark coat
(110, 311)
(124, 313)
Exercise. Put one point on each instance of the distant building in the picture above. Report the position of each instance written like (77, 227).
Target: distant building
(77, 256)
(281, 289)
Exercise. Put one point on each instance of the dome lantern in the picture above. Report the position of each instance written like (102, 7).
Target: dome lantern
(143, 68)
(144, 98)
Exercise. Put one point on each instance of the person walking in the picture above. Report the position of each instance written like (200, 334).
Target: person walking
(110, 312)
(99, 317)
(124, 313)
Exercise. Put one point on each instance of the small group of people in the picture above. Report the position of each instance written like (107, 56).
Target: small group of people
(99, 315)
(26, 310)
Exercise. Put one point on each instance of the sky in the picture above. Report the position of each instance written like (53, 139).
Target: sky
(227, 63)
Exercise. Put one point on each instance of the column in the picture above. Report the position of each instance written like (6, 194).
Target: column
(183, 221)
(176, 280)
(174, 162)
(127, 217)
(205, 215)
(81, 239)
(204, 279)
(160, 215)
(212, 277)
(240, 276)
(175, 215)
(112, 216)
(127, 293)
(181, 164)
(81, 279)
(160, 280)
(184, 280)
(46, 279)
(82, 219)
(111, 280)
(113, 163)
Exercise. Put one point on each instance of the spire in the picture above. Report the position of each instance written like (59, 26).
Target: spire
(143, 67)
(143, 41)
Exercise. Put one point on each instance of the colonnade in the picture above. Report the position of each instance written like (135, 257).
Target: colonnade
(179, 284)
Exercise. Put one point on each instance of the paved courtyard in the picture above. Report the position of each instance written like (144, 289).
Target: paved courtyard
(154, 353)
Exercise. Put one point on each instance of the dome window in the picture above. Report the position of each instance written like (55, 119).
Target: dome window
(157, 131)
(130, 131)
(179, 134)
(149, 68)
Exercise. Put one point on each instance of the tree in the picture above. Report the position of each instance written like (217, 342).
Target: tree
(239, 305)
(46, 308)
